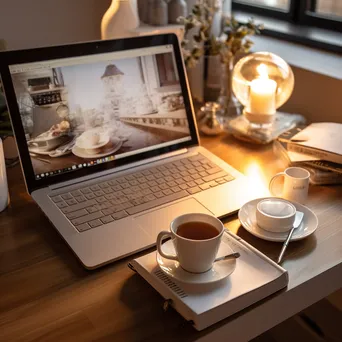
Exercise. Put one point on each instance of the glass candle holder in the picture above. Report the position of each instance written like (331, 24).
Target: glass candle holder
(262, 82)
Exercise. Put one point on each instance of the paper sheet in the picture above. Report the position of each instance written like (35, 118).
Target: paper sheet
(326, 136)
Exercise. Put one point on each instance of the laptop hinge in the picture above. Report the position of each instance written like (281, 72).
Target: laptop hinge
(119, 169)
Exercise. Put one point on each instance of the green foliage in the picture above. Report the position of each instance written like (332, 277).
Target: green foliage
(234, 38)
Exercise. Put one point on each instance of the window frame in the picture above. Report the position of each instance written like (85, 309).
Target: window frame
(307, 15)
(301, 13)
(240, 5)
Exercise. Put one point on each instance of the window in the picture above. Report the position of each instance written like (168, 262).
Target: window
(322, 13)
(315, 23)
(166, 68)
(328, 7)
(318, 13)
(275, 4)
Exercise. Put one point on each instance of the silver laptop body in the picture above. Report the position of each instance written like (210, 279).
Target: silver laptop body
(109, 146)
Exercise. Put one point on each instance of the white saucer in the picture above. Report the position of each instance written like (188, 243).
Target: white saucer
(80, 152)
(247, 217)
(219, 271)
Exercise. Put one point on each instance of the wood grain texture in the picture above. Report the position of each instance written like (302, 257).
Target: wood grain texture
(46, 295)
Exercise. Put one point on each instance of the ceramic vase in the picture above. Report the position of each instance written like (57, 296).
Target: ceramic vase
(3, 180)
(176, 9)
(120, 20)
(157, 12)
(143, 10)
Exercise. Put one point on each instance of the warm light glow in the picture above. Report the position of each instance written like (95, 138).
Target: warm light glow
(257, 181)
(262, 93)
(262, 70)
(262, 66)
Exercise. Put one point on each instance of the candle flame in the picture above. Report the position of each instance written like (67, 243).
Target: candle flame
(262, 70)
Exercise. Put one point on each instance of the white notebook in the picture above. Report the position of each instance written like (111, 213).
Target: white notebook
(322, 140)
(255, 277)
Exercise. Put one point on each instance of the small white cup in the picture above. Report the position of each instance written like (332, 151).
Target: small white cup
(196, 256)
(275, 215)
(93, 139)
(296, 184)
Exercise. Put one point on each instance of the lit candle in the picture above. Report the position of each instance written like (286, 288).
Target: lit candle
(262, 93)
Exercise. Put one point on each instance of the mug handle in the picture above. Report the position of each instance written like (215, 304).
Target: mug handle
(160, 239)
(280, 174)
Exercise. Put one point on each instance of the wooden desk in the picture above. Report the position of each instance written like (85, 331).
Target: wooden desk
(46, 295)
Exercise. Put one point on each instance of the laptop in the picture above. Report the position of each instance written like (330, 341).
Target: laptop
(108, 143)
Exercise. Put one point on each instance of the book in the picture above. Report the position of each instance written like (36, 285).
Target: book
(321, 177)
(326, 166)
(315, 152)
(255, 278)
(286, 136)
(298, 159)
(320, 140)
(321, 172)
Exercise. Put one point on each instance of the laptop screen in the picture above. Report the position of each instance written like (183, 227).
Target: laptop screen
(83, 111)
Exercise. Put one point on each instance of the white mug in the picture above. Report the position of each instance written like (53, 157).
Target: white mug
(196, 256)
(296, 184)
(275, 215)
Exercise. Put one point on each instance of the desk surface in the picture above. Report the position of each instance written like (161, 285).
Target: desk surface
(46, 294)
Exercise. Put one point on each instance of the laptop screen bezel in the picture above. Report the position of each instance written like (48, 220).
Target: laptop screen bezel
(81, 49)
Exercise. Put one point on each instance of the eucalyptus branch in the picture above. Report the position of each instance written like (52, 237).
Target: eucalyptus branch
(199, 40)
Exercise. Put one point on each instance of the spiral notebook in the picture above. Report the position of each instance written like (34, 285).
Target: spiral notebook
(255, 278)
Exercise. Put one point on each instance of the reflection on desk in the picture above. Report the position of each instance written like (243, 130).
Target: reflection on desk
(47, 295)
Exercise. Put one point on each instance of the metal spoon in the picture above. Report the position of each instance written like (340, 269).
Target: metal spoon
(229, 256)
(296, 224)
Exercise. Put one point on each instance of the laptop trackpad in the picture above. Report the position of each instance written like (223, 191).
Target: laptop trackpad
(160, 219)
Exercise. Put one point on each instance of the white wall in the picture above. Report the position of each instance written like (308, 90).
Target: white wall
(33, 23)
(318, 79)
(318, 97)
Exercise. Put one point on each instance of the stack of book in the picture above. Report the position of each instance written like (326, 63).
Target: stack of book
(317, 148)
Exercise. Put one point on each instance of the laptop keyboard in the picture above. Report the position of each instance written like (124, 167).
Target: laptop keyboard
(105, 202)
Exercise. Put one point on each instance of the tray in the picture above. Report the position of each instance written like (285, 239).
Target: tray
(255, 278)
